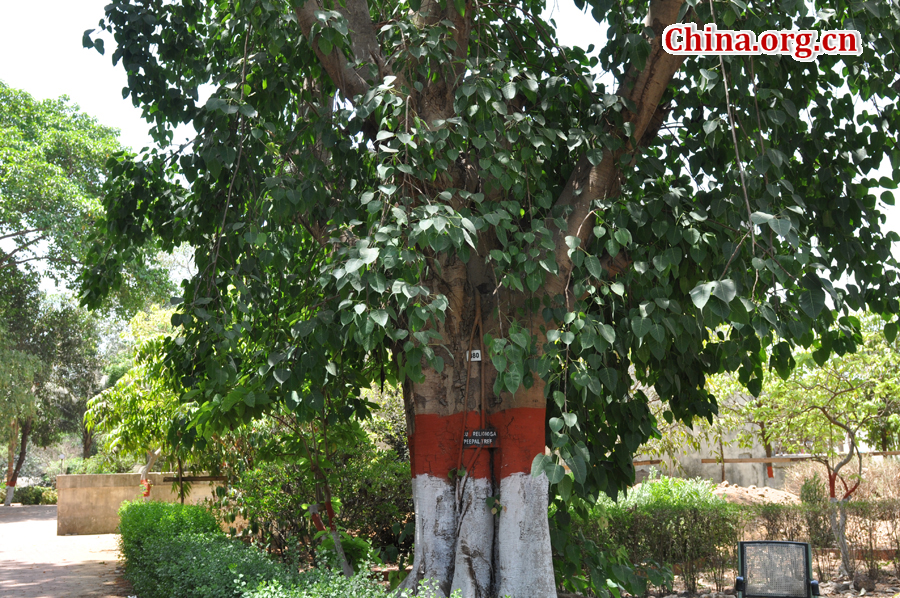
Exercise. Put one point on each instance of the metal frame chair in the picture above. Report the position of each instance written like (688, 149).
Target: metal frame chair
(775, 570)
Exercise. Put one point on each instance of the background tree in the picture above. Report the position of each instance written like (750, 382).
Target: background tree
(61, 341)
(52, 168)
(138, 410)
(378, 189)
(828, 406)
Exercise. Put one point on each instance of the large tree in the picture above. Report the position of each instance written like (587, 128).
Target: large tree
(377, 189)
(52, 169)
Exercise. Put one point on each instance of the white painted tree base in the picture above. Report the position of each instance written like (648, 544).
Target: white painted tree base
(464, 546)
(10, 490)
(435, 505)
(524, 556)
(475, 544)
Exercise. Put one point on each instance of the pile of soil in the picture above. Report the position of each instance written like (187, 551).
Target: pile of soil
(753, 495)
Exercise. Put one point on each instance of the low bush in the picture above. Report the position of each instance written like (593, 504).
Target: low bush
(177, 551)
(141, 522)
(674, 521)
(373, 500)
(326, 584)
(32, 495)
(200, 566)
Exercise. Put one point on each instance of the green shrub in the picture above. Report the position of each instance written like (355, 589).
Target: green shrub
(673, 521)
(29, 495)
(357, 551)
(325, 584)
(200, 566)
(49, 497)
(140, 522)
(373, 497)
(814, 498)
(319, 584)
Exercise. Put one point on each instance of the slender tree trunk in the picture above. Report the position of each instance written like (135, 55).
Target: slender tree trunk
(11, 461)
(12, 476)
(87, 442)
(837, 515)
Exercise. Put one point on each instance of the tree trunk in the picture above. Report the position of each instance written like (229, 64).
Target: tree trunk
(837, 514)
(12, 474)
(460, 543)
(11, 451)
(87, 442)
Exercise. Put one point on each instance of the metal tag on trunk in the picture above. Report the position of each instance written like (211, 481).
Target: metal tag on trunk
(487, 438)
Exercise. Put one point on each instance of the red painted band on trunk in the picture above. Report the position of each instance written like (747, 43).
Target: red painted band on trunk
(434, 447)
(521, 433)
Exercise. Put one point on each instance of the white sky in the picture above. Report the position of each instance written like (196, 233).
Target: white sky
(41, 53)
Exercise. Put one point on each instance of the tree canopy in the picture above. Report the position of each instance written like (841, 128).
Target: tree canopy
(378, 188)
(52, 169)
(329, 228)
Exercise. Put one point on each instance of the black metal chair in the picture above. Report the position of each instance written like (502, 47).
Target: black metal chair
(775, 570)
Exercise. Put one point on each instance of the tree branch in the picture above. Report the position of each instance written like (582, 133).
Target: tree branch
(591, 182)
(23, 232)
(363, 43)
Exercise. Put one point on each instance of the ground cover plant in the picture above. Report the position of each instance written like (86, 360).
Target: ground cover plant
(178, 551)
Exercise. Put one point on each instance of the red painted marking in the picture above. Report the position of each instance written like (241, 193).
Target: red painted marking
(770, 471)
(434, 447)
(521, 433)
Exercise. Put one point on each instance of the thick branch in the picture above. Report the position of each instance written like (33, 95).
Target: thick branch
(364, 45)
(588, 182)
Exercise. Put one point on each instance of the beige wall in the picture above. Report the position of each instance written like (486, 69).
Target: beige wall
(88, 504)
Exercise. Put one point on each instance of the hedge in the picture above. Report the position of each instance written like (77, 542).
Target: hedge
(179, 551)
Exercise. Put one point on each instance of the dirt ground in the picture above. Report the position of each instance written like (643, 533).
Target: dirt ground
(752, 495)
(36, 563)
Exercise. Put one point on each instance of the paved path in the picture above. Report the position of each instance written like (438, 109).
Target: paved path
(36, 563)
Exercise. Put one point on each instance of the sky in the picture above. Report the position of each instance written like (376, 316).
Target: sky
(43, 55)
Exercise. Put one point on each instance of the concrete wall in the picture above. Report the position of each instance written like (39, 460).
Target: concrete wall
(88, 504)
(742, 474)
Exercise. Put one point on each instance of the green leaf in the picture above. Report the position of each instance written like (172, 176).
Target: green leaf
(368, 254)
(725, 290)
(519, 338)
(593, 266)
(565, 488)
(890, 331)
(514, 377)
(641, 326)
(555, 472)
(607, 332)
(610, 378)
(781, 226)
(380, 317)
(325, 45)
(539, 464)
(578, 466)
(556, 424)
(701, 293)
(282, 375)
(812, 301)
